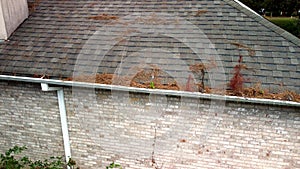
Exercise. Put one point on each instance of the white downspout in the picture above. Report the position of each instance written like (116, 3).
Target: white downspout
(63, 117)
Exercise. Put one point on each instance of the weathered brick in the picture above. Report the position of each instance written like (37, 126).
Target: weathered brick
(105, 128)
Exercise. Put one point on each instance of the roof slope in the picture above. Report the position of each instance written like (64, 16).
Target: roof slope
(91, 36)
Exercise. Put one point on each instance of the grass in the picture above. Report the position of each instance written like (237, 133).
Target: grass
(291, 25)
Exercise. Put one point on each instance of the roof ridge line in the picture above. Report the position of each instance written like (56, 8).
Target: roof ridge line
(245, 9)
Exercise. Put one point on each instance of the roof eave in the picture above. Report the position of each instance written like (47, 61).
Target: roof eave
(151, 91)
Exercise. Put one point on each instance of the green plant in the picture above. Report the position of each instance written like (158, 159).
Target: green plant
(152, 85)
(114, 165)
(9, 161)
(289, 24)
(52, 163)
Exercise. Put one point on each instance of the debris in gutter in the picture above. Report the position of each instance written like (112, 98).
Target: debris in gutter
(255, 91)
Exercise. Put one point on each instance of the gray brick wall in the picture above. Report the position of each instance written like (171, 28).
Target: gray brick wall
(29, 117)
(135, 129)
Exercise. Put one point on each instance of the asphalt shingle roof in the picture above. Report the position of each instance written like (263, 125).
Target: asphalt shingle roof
(62, 37)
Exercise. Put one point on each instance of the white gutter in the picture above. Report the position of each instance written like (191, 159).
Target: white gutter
(63, 117)
(152, 91)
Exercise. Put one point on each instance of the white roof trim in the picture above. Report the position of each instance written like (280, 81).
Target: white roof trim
(245, 6)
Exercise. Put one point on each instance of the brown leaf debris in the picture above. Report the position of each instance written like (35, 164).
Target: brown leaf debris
(104, 17)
